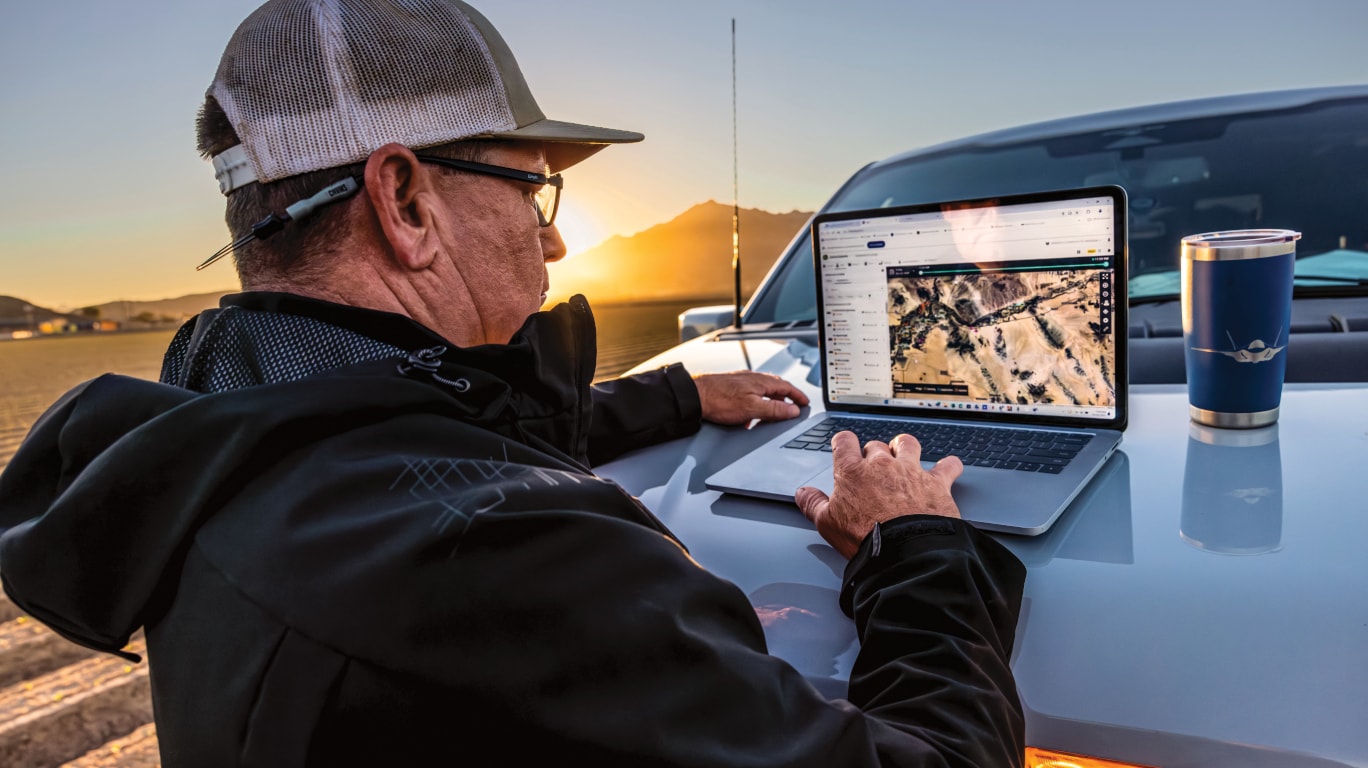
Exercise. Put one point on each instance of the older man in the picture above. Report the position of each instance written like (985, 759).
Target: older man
(356, 518)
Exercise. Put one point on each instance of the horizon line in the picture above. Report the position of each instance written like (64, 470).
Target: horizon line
(65, 307)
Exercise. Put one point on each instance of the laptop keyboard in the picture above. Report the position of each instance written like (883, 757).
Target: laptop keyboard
(1023, 450)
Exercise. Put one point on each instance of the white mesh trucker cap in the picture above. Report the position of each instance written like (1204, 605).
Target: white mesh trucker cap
(314, 84)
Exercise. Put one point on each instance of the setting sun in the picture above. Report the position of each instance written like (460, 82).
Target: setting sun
(578, 228)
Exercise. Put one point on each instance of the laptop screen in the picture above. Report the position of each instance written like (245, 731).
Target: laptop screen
(1014, 305)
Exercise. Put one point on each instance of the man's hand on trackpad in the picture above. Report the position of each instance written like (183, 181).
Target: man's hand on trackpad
(875, 484)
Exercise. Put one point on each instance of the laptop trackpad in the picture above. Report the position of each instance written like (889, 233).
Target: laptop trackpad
(825, 480)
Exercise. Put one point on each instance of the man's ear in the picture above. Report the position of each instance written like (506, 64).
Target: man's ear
(401, 193)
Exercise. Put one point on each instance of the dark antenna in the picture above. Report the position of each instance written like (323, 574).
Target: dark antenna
(736, 197)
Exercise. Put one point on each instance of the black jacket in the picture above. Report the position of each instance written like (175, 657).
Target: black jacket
(398, 557)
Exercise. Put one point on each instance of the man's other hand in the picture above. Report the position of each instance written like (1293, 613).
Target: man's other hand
(884, 481)
(741, 396)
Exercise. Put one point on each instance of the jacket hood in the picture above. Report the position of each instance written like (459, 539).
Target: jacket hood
(106, 493)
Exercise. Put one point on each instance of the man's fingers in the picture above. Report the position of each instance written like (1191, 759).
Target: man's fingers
(845, 450)
(775, 390)
(906, 448)
(740, 396)
(775, 410)
(782, 389)
(812, 502)
(875, 449)
(948, 470)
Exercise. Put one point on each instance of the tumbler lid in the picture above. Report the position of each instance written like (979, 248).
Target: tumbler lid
(1240, 244)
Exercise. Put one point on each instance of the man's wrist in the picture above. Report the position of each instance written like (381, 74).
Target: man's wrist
(889, 542)
(681, 382)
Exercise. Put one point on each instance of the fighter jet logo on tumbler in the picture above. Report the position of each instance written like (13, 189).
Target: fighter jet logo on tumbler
(1256, 352)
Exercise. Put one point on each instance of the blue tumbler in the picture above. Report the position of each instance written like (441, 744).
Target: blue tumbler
(1237, 313)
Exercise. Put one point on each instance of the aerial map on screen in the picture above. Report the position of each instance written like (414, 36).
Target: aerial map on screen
(1006, 337)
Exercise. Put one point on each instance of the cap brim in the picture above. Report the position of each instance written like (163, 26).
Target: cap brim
(568, 143)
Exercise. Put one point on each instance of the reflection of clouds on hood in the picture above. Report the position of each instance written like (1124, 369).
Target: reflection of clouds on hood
(804, 625)
(772, 615)
(971, 227)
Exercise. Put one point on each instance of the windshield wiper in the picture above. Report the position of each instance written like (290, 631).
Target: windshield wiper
(1154, 298)
(1334, 279)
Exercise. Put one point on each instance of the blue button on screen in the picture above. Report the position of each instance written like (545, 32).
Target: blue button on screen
(874, 244)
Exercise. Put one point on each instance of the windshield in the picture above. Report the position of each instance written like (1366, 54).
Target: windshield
(1304, 169)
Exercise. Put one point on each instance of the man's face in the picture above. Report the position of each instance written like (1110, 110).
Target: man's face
(492, 237)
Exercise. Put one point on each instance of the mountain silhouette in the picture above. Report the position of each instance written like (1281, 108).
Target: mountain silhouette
(19, 314)
(686, 258)
(180, 308)
(14, 313)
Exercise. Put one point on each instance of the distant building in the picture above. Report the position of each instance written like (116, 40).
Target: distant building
(57, 325)
(97, 325)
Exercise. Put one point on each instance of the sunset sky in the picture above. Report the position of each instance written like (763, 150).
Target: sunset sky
(104, 198)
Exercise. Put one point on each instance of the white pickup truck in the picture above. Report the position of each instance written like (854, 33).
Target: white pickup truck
(1204, 601)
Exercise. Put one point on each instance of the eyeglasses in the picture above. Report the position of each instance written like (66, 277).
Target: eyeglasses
(547, 196)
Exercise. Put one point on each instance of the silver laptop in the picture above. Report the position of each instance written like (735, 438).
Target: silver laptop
(993, 330)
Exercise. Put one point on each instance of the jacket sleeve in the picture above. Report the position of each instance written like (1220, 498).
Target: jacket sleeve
(935, 604)
(607, 639)
(636, 411)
